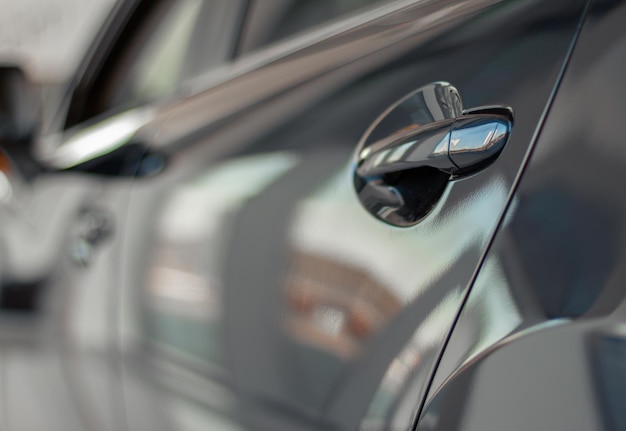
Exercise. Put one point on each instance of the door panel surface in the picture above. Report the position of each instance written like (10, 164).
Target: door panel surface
(540, 341)
(256, 291)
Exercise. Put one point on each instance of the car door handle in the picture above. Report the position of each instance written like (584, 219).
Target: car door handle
(458, 147)
(406, 158)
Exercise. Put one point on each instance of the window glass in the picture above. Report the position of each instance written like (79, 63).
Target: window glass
(273, 20)
(158, 68)
(176, 41)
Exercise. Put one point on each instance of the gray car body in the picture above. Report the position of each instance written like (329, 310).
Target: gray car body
(285, 305)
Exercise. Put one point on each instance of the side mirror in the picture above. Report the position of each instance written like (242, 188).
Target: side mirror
(20, 112)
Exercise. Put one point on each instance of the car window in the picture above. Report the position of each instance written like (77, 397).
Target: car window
(169, 43)
(158, 68)
(192, 37)
(274, 20)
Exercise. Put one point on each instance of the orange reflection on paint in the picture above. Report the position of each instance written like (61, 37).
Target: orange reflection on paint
(5, 164)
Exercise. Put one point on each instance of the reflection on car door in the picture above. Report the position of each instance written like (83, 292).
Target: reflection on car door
(258, 293)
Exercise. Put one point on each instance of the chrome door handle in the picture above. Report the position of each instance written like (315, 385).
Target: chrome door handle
(458, 146)
(409, 154)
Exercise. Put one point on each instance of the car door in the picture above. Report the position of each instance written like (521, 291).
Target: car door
(543, 324)
(256, 291)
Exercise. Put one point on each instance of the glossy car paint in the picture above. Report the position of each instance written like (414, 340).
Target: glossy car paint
(310, 302)
(244, 286)
(540, 342)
